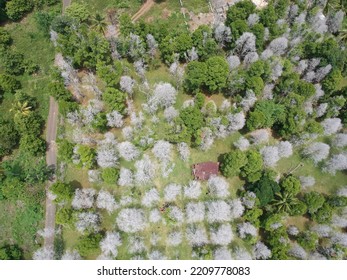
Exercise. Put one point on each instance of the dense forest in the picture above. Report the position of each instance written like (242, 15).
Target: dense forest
(261, 90)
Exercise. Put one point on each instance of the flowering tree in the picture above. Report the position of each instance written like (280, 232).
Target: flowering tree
(195, 212)
(270, 155)
(125, 177)
(87, 221)
(317, 151)
(196, 235)
(110, 243)
(193, 190)
(150, 198)
(83, 199)
(131, 220)
(162, 150)
(171, 192)
(106, 201)
(218, 186)
(164, 96)
(128, 151)
(145, 170)
(222, 235)
(114, 119)
(183, 150)
(218, 211)
(261, 251)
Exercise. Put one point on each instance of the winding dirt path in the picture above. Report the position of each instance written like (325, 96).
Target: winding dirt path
(144, 9)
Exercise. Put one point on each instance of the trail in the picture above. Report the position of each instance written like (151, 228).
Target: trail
(144, 9)
(51, 161)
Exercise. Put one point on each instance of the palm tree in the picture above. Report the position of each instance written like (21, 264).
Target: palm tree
(284, 202)
(21, 109)
(343, 35)
(99, 23)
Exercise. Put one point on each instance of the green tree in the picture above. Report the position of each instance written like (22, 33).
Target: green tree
(265, 190)
(232, 162)
(291, 184)
(63, 191)
(65, 150)
(217, 73)
(16, 9)
(5, 37)
(284, 202)
(332, 81)
(20, 109)
(323, 215)
(32, 144)
(8, 137)
(110, 175)
(12, 62)
(87, 156)
(88, 244)
(100, 122)
(199, 100)
(115, 99)
(252, 170)
(11, 252)
(64, 217)
(99, 23)
(9, 83)
(183, 43)
(240, 10)
(308, 240)
(192, 118)
(196, 75)
(253, 216)
(314, 201)
(78, 11)
(256, 84)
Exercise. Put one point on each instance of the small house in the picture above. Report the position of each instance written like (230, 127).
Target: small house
(204, 170)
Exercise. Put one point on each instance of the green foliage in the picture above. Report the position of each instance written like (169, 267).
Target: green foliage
(58, 91)
(13, 189)
(192, 118)
(332, 81)
(274, 239)
(272, 219)
(265, 114)
(78, 11)
(252, 170)
(115, 100)
(314, 201)
(5, 37)
(87, 244)
(87, 156)
(63, 191)
(8, 137)
(256, 84)
(305, 89)
(11, 252)
(199, 100)
(183, 43)
(16, 9)
(110, 175)
(298, 209)
(265, 190)
(253, 216)
(308, 240)
(232, 162)
(195, 76)
(291, 184)
(100, 122)
(9, 83)
(217, 73)
(238, 27)
(12, 62)
(32, 144)
(323, 215)
(110, 74)
(30, 124)
(44, 20)
(65, 150)
(64, 217)
(241, 10)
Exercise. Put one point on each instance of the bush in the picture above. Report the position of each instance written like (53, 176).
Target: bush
(5, 37)
(110, 175)
(8, 137)
(63, 191)
(16, 9)
(88, 244)
(232, 162)
(32, 144)
(65, 151)
(265, 190)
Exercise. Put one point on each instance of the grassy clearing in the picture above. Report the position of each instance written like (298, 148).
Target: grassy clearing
(36, 47)
(124, 6)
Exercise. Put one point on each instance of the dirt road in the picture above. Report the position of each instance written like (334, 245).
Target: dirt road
(51, 160)
(144, 8)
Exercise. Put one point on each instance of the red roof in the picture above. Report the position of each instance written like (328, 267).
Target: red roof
(204, 170)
